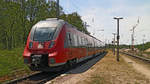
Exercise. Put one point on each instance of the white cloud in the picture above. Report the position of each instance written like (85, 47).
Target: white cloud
(103, 19)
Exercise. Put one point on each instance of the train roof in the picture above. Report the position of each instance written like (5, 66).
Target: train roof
(54, 22)
(50, 22)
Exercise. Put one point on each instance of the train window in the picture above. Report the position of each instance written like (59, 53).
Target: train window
(89, 43)
(100, 45)
(32, 33)
(44, 33)
(69, 39)
(86, 42)
(75, 40)
(79, 40)
(93, 43)
(66, 41)
(97, 44)
(58, 29)
(82, 41)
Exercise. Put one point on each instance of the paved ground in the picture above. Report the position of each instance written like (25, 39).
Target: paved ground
(106, 71)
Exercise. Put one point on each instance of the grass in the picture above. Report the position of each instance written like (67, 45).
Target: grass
(140, 46)
(11, 61)
(97, 79)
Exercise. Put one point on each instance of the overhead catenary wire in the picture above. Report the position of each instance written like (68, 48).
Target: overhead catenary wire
(73, 2)
(133, 32)
(70, 9)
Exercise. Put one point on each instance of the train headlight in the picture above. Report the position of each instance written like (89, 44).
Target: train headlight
(51, 44)
(26, 60)
(52, 60)
(30, 44)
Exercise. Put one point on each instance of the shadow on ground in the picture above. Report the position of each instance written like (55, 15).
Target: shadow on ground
(85, 65)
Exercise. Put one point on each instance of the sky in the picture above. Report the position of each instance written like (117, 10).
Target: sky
(99, 15)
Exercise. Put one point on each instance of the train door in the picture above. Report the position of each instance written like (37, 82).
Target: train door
(70, 46)
(86, 44)
(80, 47)
(79, 50)
(75, 46)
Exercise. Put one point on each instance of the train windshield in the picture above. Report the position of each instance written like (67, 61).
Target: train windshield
(44, 33)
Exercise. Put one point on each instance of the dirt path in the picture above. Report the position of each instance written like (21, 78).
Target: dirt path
(105, 71)
(138, 66)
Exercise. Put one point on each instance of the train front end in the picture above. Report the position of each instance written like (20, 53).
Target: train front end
(40, 51)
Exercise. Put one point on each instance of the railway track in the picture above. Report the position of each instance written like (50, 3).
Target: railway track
(35, 78)
(43, 77)
(138, 57)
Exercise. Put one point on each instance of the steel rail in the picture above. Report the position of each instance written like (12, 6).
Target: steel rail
(15, 81)
(138, 57)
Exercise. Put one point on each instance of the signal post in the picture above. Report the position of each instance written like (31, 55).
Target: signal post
(118, 37)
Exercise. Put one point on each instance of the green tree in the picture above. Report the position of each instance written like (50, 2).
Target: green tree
(75, 19)
(17, 17)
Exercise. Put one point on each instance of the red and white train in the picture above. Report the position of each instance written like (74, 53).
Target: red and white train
(53, 43)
